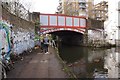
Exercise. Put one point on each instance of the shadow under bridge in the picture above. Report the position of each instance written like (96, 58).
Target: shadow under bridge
(69, 37)
(69, 29)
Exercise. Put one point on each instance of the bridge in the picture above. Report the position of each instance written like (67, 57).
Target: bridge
(63, 26)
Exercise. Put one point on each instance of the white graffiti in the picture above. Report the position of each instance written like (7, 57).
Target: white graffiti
(22, 39)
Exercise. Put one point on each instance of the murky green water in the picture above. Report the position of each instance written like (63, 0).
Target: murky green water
(91, 63)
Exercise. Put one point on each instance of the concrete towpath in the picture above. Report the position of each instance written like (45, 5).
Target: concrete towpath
(38, 65)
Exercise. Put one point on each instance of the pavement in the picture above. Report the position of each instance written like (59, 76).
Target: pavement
(38, 65)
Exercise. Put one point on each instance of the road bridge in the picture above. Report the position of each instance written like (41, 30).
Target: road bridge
(68, 28)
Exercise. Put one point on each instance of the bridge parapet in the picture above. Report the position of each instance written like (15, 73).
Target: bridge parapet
(56, 22)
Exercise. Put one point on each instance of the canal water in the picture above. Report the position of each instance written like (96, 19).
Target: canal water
(87, 62)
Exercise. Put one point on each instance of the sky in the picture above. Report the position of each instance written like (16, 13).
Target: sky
(97, 1)
(44, 6)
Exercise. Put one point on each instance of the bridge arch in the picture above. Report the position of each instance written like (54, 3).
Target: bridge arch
(62, 29)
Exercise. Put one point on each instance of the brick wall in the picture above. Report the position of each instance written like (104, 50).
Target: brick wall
(95, 24)
(22, 32)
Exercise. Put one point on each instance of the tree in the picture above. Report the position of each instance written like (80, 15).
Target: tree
(17, 8)
(71, 8)
(27, 4)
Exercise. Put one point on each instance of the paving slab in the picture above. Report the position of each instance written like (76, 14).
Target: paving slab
(38, 65)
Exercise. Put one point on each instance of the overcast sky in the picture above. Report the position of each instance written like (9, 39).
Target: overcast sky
(44, 6)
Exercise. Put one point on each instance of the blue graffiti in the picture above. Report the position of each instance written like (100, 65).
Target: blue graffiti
(6, 28)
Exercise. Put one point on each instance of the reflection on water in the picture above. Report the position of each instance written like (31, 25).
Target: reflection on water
(91, 63)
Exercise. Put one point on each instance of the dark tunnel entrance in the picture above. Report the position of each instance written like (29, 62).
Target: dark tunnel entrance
(69, 37)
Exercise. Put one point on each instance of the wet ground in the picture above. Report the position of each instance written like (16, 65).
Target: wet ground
(83, 62)
(38, 65)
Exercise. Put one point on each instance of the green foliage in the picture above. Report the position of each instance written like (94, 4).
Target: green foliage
(37, 37)
(37, 27)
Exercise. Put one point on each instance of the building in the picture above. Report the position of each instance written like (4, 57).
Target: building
(60, 7)
(112, 25)
(72, 7)
(84, 8)
(100, 11)
(90, 6)
(112, 63)
(68, 7)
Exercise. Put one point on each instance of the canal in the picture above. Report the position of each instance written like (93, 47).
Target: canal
(87, 62)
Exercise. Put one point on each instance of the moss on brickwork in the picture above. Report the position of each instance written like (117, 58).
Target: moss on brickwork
(65, 67)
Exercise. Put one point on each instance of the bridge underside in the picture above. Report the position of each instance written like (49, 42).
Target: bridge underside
(69, 37)
(69, 29)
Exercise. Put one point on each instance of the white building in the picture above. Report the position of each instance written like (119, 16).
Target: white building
(82, 7)
(112, 63)
(112, 25)
(72, 7)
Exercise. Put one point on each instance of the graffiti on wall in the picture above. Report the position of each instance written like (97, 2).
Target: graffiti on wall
(17, 40)
(5, 34)
(23, 40)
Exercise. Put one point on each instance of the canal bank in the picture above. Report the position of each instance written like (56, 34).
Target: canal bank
(65, 67)
(86, 62)
(38, 65)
